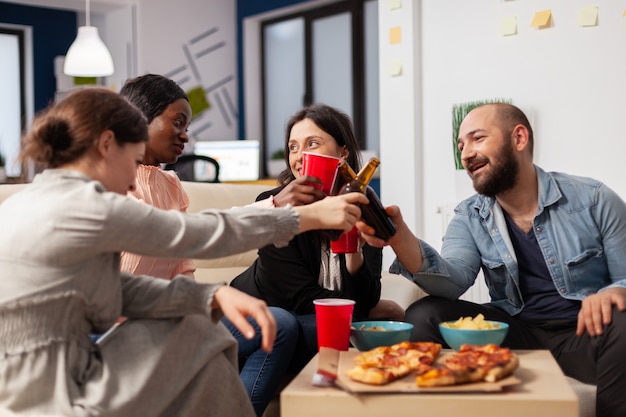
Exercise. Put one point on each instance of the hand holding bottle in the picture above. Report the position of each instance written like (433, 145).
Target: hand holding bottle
(368, 233)
(404, 243)
(374, 213)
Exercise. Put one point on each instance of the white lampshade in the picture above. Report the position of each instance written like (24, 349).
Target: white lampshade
(88, 56)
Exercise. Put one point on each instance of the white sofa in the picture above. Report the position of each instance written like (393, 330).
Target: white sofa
(223, 196)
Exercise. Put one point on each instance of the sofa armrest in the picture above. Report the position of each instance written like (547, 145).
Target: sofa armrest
(399, 289)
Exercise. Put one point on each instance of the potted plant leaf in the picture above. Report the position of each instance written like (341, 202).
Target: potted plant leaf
(276, 164)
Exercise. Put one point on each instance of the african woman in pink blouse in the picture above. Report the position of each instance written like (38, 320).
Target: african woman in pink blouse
(167, 109)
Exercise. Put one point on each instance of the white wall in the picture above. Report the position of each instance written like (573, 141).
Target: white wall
(401, 148)
(570, 81)
(118, 30)
(194, 43)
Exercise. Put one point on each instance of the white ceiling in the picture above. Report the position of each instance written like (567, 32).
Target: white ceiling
(97, 6)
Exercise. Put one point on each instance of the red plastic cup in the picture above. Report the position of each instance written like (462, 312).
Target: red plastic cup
(321, 166)
(348, 242)
(333, 317)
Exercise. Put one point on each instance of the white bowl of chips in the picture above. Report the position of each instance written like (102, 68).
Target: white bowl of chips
(473, 331)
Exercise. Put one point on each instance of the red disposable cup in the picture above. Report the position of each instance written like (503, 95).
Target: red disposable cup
(321, 166)
(333, 317)
(348, 242)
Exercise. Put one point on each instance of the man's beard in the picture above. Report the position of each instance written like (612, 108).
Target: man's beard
(501, 175)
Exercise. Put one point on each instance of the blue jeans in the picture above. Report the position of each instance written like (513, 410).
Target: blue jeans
(307, 343)
(262, 372)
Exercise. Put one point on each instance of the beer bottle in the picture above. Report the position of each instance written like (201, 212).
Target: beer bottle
(374, 213)
(345, 174)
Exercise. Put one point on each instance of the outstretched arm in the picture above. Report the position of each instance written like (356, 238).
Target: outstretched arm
(339, 213)
(404, 243)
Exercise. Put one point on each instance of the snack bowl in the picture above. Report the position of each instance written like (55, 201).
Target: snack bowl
(366, 335)
(455, 337)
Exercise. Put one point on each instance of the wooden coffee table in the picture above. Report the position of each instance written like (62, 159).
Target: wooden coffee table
(543, 392)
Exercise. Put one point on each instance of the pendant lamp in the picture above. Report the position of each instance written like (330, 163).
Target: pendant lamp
(88, 56)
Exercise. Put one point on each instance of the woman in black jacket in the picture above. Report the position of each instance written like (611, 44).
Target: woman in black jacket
(292, 277)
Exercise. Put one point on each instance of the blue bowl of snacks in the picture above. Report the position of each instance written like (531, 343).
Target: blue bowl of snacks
(473, 331)
(366, 335)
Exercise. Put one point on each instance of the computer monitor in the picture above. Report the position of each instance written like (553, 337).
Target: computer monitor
(238, 159)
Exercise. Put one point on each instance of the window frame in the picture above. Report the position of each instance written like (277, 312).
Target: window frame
(356, 10)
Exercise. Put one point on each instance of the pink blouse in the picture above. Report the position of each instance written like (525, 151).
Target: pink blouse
(161, 189)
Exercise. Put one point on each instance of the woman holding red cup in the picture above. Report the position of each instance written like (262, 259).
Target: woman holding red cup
(293, 277)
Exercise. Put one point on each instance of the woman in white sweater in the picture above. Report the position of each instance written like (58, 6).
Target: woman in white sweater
(60, 278)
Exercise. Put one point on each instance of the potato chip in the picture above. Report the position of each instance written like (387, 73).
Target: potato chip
(476, 323)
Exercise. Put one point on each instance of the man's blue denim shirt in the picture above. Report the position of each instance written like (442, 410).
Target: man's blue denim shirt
(580, 226)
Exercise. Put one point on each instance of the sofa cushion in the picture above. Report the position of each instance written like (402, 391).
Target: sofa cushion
(401, 290)
(222, 196)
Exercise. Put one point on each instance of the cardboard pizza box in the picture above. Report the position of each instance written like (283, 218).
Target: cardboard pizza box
(333, 364)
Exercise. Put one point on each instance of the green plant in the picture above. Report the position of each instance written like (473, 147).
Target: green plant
(278, 155)
(459, 111)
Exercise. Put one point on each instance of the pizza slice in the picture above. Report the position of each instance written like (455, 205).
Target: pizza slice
(471, 363)
(501, 370)
(418, 353)
(497, 362)
(377, 375)
(384, 364)
(441, 376)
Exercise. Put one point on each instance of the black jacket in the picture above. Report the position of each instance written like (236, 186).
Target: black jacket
(288, 277)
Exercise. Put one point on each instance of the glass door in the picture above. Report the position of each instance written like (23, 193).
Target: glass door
(12, 99)
(284, 78)
(319, 56)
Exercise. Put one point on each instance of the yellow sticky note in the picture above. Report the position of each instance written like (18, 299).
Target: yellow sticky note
(394, 4)
(197, 101)
(624, 14)
(394, 68)
(541, 19)
(508, 26)
(588, 16)
(395, 35)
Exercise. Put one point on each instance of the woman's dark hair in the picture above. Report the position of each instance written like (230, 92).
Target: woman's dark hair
(67, 130)
(332, 121)
(152, 93)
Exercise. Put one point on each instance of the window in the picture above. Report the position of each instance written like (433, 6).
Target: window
(13, 115)
(324, 55)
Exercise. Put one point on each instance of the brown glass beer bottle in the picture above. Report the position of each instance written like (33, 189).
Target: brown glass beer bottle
(374, 213)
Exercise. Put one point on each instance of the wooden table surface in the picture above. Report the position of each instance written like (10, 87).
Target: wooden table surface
(543, 392)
